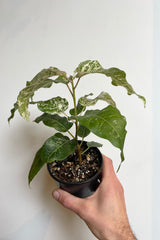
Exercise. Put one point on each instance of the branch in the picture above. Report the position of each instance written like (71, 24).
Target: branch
(77, 82)
(70, 134)
(32, 102)
(69, 90)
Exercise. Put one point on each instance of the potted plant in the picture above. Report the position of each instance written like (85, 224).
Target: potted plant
(74, 163)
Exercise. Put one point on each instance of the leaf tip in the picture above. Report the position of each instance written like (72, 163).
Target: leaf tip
(8, 120)
(29, 181)
(118, 167)
(122, 159)
(143, 99)
(144, 103)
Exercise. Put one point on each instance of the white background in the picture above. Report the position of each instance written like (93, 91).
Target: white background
(156, 121)
(38, 34)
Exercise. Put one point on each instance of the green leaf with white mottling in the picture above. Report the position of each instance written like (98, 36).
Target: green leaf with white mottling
(94, 144)
(85, 101)
(83, 131)
(39, 81)
(27, 93)
(36, 166)
(59, 123)
(107, 123)
(61, 79)
(119, 79)
(47, 73)
(104, 96)
(53, 105)
(87, 67)
(118, 76)
(13, 110)
(58, 147)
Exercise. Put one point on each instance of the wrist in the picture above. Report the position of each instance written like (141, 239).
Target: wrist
(119, 233)
(125, 234)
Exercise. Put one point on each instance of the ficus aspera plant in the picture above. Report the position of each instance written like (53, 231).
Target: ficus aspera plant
(107, 123)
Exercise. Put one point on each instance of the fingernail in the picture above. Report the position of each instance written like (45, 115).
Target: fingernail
(56, 195)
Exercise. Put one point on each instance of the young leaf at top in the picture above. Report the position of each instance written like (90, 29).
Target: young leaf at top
(118, 76)
(36, 166)
(39, 81)
(87, 67)
(84, 101)
(58, 147)
(59, 123)
(53, 105)
(107, 123)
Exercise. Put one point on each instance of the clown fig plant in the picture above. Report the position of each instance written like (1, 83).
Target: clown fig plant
(107, 123)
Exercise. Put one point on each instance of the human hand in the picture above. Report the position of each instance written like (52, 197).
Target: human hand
(105, 211)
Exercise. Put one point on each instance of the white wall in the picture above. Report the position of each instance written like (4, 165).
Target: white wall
(156, 121)
(38, 34)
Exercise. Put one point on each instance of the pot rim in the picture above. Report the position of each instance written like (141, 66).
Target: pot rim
(80, 183)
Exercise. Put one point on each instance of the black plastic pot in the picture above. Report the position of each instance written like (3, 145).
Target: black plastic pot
(82, 189)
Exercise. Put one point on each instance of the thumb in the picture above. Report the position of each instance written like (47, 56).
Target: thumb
(68, 200)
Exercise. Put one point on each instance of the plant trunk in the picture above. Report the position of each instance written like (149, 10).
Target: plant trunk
(79, 154)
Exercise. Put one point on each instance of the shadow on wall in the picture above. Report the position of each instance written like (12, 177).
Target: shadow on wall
(23, 146)
(25, 138)
(35, 228)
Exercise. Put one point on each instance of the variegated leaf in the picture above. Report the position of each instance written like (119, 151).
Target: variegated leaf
(119, 79)
(59, 123)
(85, 101)
(39, 81)
(61, 79)
(53, 105)
(87, 67)
(27, 93)
(118, 76)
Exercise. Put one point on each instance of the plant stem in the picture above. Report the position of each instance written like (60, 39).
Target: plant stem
(76, 124)
(32, 102)
(81, 142)
(70, 134)
(65, 115)
(85, 150)
(69, 90)
(79, 154)
(75, 110)
(77, 82)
